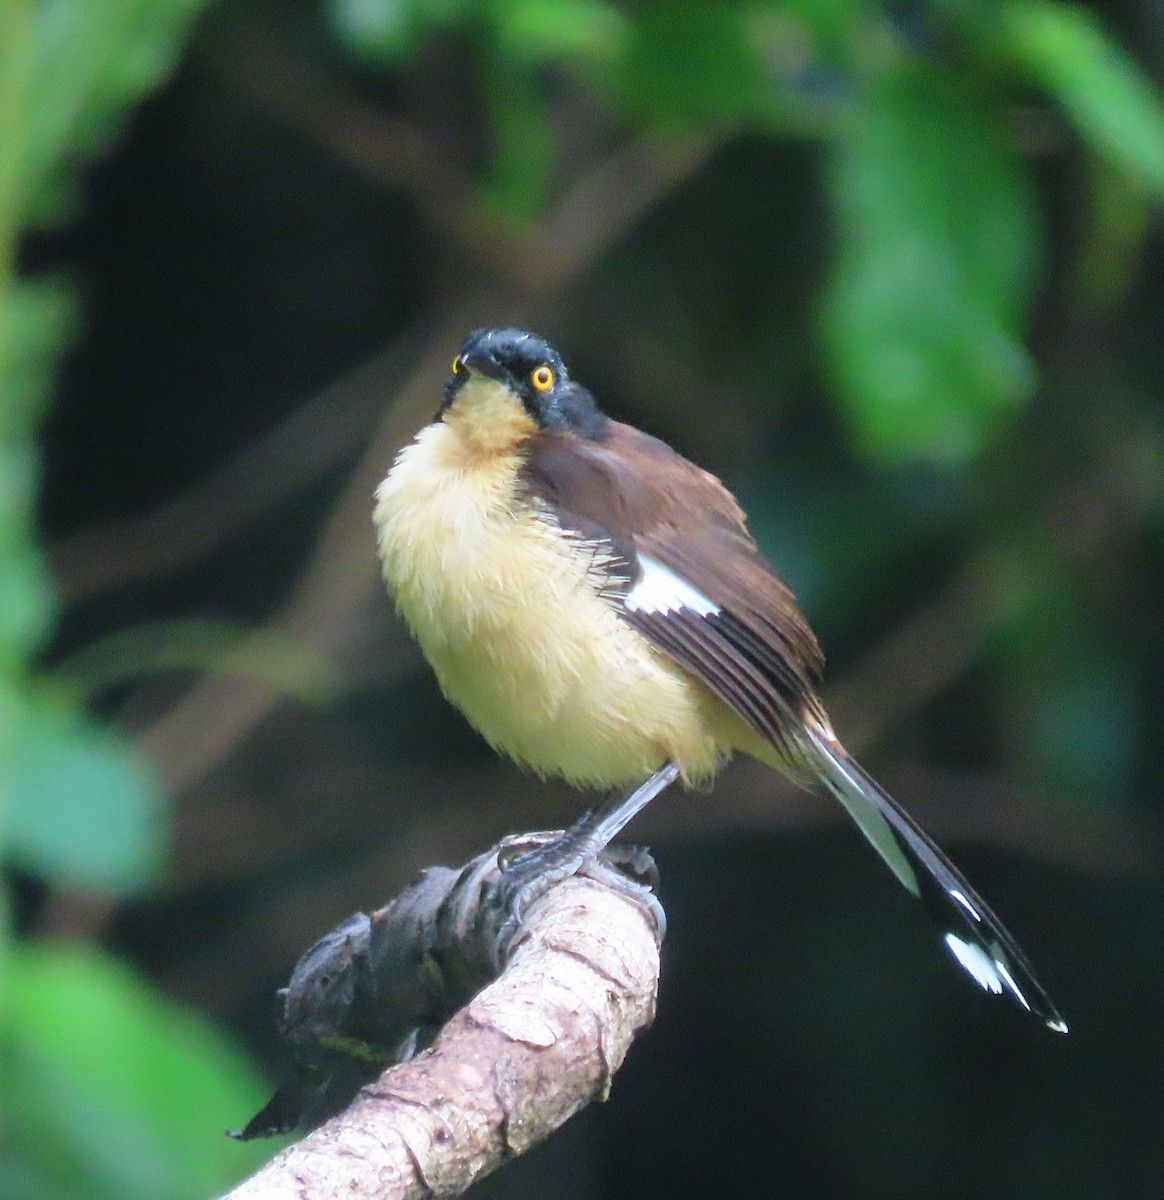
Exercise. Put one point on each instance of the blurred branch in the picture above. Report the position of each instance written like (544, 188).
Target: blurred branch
(535, 261)
(525, 1055)
(252, 60)
(216, 712)
(315, 438)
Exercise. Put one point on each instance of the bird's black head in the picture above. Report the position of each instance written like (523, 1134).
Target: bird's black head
(533, 371)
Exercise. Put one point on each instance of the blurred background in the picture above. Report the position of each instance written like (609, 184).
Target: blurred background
(895, 272)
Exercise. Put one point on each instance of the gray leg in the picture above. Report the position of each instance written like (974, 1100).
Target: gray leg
(531, 874)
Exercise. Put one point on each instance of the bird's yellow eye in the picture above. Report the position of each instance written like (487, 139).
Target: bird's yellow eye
(542, 378)
(458, 366)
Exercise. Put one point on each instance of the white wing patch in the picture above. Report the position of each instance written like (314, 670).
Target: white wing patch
(660, 590)
(992, 974)
(984, 970)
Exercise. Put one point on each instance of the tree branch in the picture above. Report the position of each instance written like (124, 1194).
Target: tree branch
(524, 1055)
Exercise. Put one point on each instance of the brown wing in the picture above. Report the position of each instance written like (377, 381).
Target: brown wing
(750, 645)
(635, 493)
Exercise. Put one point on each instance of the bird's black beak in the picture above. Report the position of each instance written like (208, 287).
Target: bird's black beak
(484, 363)
(476, 362)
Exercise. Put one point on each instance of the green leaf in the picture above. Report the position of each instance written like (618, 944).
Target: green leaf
(15, 67)
(832, 21)
(90, 63)
(840, 541)
(27, 591)
(1083, 732)
(38, 317)
(42, 317)
(1119, 220)
(523, 146)
(547, 31)
(381, 31)
(1107, 94)
(688, 63)
(386, 32)
(934, 266)
(82, 808)
(1070, 694)
(110, 1090)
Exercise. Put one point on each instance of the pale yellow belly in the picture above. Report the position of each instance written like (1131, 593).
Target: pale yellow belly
(509, 618)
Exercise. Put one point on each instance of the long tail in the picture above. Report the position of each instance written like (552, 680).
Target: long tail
(972, 933)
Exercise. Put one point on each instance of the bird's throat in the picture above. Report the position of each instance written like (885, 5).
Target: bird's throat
(486, 419)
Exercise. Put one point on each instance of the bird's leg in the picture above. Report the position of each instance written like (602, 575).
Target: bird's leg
(529, 874)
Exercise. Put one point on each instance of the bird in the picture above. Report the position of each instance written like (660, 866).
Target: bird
(595, 606)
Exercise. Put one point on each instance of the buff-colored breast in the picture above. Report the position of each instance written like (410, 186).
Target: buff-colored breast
(508, 613)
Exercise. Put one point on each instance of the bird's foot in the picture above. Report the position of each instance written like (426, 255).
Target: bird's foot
(531, 866)
(529, 871)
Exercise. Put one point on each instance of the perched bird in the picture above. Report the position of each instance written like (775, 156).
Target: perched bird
(594, 604)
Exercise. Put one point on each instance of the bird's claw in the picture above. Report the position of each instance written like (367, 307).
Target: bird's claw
(533, 864)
